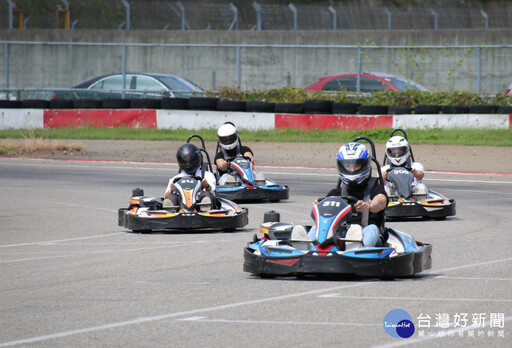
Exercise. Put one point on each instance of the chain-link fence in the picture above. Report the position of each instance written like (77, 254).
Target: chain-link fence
(481, 69)
(252, 15)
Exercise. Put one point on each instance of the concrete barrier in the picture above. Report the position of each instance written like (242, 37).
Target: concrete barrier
(189, 119)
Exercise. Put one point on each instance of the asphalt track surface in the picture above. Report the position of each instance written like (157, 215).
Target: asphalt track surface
(72, 278)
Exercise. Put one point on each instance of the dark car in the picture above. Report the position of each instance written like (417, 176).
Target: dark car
(369, 82)
(130, 86)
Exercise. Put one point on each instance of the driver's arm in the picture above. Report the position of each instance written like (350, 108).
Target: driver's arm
(375, 205)
(222, 164)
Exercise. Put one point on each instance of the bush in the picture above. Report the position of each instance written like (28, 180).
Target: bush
(408, 99)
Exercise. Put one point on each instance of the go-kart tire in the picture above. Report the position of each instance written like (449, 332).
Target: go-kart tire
(141, 231)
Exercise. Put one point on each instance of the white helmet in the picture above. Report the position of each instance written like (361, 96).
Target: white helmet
(354, 163)
(397, 150)
(228, 136)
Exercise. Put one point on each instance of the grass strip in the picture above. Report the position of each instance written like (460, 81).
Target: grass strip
(456, 136)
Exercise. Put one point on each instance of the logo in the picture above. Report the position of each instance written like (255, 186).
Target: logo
(398, 323)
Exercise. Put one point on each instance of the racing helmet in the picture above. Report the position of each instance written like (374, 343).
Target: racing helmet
(354, 163)
(189, 158)
(228, 136)
(398, 150)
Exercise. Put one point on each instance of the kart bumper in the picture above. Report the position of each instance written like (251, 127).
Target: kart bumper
(403, 265)
(424, 209)
(194, 221)
(261, 193)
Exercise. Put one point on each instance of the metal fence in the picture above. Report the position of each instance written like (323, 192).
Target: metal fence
(49, 65)
(247, 15)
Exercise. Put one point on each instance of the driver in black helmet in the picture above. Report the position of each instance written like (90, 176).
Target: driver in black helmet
(190, 161)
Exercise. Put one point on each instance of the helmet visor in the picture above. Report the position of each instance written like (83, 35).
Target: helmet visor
(398, 151)
(228, 139)
(352, 166)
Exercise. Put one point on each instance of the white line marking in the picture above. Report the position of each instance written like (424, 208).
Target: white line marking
(61, 240)
(205, 319)
(455, 299)
(154, 318)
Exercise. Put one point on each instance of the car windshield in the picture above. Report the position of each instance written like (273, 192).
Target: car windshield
(403, 84)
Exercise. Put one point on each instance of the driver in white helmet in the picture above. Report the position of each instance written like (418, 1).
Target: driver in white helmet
(398, 153)
(229, 148)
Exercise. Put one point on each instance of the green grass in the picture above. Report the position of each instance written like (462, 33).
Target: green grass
(490, 137)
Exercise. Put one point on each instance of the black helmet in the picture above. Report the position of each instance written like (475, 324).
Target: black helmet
(189, 158)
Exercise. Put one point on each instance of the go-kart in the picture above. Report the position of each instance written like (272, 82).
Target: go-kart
(146, 214)
(246, 186)
(404, 202)
(337, 248)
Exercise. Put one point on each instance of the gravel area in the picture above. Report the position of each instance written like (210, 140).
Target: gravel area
(486, 159)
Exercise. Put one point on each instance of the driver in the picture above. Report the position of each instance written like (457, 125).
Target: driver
(190, 161)
(355, 169)
(229, 148)
(398, 153)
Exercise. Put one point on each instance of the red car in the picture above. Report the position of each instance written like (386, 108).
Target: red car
(509, 89)
(370, 82)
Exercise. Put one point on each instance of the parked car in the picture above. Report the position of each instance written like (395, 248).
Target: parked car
(370, 82)
(130, 86)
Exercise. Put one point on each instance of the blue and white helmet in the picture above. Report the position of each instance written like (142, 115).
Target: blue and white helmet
(354, 163)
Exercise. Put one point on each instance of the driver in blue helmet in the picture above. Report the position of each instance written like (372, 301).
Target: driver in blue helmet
(190, 161)
(355, 169)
